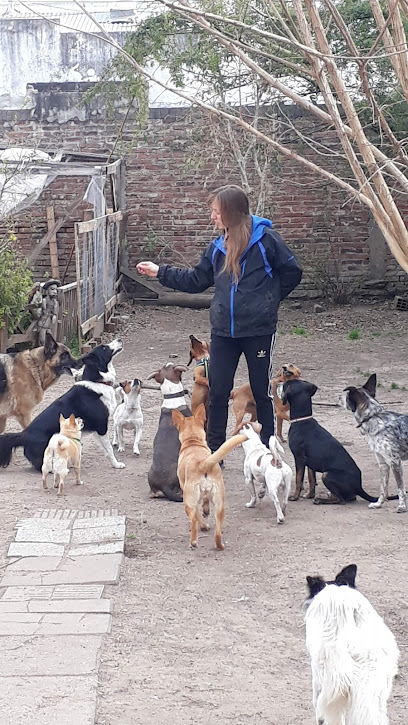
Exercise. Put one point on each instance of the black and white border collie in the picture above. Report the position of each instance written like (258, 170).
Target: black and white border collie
(92, 399)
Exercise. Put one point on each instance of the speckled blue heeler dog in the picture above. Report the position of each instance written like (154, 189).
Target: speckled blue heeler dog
(387, 436)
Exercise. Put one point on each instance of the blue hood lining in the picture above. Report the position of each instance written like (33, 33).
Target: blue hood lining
(258, 230)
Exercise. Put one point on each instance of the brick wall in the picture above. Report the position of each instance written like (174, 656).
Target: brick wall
(166, 197)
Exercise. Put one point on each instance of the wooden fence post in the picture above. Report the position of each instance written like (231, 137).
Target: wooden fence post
(53, 243)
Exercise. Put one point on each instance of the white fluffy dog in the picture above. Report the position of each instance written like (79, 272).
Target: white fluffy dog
(266, 467)
(354, 656)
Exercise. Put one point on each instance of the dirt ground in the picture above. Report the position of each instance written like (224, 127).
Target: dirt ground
(209, 637)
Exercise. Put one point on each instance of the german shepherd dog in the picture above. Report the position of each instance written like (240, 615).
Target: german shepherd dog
(26, 375)
(386, 434)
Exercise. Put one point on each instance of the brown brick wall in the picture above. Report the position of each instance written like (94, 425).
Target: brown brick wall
(166, 201)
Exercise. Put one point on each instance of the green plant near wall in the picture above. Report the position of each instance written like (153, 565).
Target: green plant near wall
(16, 280)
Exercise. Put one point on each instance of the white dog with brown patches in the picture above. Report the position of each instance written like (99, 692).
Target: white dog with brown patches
(63, 451)
(128, 416)
(266, 467)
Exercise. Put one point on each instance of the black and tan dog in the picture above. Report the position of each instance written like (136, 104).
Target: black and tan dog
(313, 446)
(200, 353)
(25, 376)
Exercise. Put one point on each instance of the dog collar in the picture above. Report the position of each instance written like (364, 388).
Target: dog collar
(296, 420)
(205, 363)
(365, 420)
(104, 382)
(180, 394)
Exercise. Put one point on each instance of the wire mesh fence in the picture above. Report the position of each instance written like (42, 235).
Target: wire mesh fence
(96, 249)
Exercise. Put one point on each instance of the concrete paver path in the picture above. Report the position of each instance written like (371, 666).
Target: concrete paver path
(53, 615)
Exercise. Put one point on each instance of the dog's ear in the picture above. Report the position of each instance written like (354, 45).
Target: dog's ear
(155, 376)
(50, 346)
(347, 576)
(352, 397)
(315, 584)
(180, 369)
(200, 414)
(123, 385)
(90, 359)
(371, 385)
(61, 419)
(72, 419)
(257, 426)
(177, 418)
(311, 388)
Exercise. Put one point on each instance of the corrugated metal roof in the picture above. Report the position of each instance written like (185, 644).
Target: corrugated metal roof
(115, 16)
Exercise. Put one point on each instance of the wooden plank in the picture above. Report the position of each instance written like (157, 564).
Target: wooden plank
(44, 241)
(4, 336)
(78, 282)
(110, 304)
(152, 286)
(68, 287)
(22, 337)
(89, 324)
(93, 224)
(53, 243)
(112, 168)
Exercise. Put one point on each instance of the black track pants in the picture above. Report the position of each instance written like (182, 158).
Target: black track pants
(225, 354)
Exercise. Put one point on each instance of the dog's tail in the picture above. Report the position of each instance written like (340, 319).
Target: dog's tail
(366, 496)
(374, 499)
(8, 442)
(222, 451)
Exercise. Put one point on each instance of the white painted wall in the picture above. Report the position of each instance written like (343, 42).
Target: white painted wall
(37, 51)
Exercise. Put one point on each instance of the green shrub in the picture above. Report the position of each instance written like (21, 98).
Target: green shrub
(16, 280)
(354, 334)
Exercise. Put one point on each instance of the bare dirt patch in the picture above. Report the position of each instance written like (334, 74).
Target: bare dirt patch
(209, 637)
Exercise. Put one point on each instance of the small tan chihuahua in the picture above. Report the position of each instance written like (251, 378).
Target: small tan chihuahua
(63, 450)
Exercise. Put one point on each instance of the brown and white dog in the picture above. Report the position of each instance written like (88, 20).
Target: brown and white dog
(25, 376)
(63, 451)
(200, 475)
(267, 468)
(200, 353)
(243, 400)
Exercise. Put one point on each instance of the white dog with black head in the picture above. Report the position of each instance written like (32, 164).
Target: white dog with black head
(354, 656)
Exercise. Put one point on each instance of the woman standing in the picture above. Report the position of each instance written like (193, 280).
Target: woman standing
(252, 270)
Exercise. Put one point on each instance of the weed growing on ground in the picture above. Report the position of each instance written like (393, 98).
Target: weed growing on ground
(73, 344)
(366, 373)
(299, 331)
(354, 334)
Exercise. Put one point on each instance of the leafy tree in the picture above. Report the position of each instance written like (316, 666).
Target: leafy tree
(352, 55)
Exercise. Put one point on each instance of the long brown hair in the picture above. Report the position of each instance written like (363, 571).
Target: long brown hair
(234, 208)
